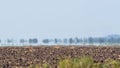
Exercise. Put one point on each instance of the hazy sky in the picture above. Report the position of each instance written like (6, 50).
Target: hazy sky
(59, 18)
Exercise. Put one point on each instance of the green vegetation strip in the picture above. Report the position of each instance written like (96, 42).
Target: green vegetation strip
(82, 62)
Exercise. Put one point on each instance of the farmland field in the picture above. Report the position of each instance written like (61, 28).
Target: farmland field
(24, 56)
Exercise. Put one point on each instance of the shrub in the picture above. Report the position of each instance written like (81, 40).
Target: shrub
(82, 62)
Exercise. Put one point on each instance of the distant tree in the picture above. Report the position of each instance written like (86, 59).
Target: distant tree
(96, 41)
(9, 41)
(33, 41)
(101, 40)
(71, 41)
(118, 40)
(110, 40)
(91, 40)
(85, 41)
(113, 40)
(46, 41)
(65, 40)
(78, 40)
(0, 41)
(57, 41)
(22, 41)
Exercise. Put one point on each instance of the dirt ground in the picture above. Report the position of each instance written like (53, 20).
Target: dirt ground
(24, 56)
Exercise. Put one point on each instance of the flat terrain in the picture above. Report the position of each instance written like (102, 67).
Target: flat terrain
(16, 57)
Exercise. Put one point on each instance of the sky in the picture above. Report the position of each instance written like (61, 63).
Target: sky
(59, 18)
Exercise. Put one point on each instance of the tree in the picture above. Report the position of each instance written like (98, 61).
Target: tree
(46, 41)
(22, 41)
(33, 41)
(0, 41)
(101, 40)
(65, 40)
(57, 41)
(85, 41)
(91, 40)
(78, 40)
(9, 41)
(71, 41)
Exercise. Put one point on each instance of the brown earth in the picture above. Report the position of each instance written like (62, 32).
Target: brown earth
(24, 56)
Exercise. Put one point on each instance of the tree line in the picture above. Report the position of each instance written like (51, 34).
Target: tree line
(108, 40)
